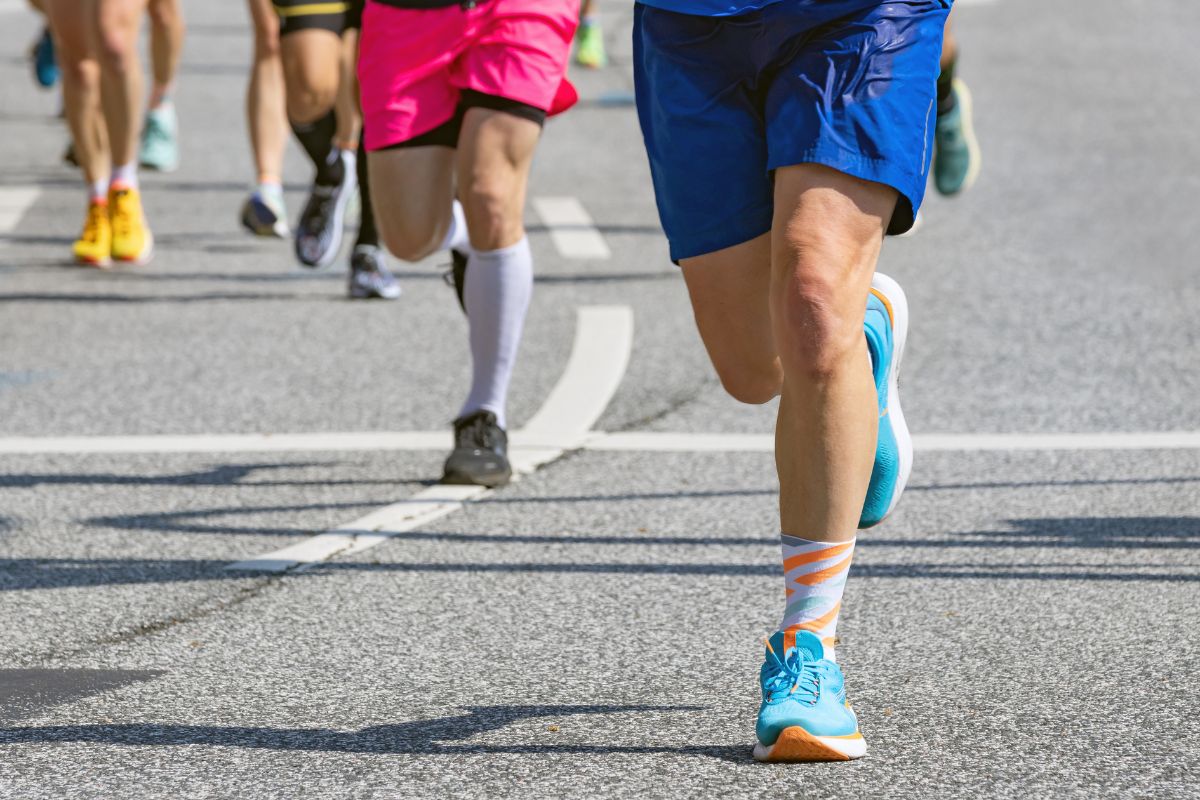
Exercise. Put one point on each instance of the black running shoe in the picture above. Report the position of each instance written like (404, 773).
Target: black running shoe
(369, 275)
(480, 454)
(319, 232)
(457, 275)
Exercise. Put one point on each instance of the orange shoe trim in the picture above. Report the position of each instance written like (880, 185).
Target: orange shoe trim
(797, 744)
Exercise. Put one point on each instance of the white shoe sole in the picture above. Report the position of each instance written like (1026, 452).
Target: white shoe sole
(897, 303)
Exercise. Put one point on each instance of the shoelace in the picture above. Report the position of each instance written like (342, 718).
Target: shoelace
(95, 221)
(797, 675)
(122, 217)
(475, 432)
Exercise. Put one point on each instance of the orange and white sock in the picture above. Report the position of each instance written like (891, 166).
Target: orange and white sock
(814, 575)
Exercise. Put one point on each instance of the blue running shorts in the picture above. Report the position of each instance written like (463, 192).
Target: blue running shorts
(725, 100)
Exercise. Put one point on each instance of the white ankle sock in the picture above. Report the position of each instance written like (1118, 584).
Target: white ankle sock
(498, 286)
(98, 190)
(456, 234)
(125, 175)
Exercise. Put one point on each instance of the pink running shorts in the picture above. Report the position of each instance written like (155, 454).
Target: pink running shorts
(414, 64)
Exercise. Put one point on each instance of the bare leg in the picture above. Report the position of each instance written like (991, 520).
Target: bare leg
(120, 74)
(167, 30)
(349, 117)
(81, 89)
(826, 236)
(266, 109)
(494, 156)
(312, 66)
(949, 42)
(412, 191)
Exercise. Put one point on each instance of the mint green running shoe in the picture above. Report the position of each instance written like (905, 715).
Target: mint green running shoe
(956, 157)
(804, 715)
(160, 146)
(589, 50)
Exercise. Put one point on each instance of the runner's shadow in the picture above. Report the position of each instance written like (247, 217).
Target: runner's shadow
(224, 475)
(438, 736)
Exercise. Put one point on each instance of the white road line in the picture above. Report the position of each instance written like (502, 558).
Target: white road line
(571, 228)
(14, 202)
(529, 446)
(603, 340)
(965, 442)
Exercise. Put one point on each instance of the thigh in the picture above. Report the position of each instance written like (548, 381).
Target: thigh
(412, 189)
(857, 94)
(117, 21)
(311, 57)
(72, 31)
(703, 129)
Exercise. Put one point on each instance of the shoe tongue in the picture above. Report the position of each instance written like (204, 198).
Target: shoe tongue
(810, 645)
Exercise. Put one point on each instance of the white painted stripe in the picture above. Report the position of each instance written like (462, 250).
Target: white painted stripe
(14, 202)
(530, 445)
(571, 228)
(603, 339)
(230, 443)
(966, 442)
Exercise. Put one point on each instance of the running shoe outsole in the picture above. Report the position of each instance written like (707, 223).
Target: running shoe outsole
(894, 299)
(798, 745)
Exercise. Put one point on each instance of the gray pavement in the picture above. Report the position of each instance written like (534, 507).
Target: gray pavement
(1023, 626)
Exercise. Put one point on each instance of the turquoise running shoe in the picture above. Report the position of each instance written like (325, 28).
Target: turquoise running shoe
(45, 64)
(956, 156)
(160, 147)
(804, 715)
(886, 328)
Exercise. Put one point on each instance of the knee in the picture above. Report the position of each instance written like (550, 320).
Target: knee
(309, 100)
(266, 40)
(818, 324)
(115, 52)
(493, 208)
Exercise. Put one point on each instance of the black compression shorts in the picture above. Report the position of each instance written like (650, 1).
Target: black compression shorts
(336, 16)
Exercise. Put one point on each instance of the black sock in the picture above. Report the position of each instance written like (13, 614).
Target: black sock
(945, 88)
(317, 140)
(367, 235)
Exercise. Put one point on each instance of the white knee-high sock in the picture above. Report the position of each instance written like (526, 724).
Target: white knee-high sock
(498, 286)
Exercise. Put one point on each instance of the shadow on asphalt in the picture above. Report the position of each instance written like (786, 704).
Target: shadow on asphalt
(420, 737)
(1105, 533)
(225, 475)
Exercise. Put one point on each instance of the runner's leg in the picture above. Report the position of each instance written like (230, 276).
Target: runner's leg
(81, 101)
(116, 24)
(313, 53)
(264, 212)
(160, 133)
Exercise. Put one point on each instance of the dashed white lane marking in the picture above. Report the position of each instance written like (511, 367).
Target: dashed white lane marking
(529, 447)
(603, 340)
(571, 228)
(14, 202)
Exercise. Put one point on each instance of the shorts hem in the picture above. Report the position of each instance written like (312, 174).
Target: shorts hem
(692, 247)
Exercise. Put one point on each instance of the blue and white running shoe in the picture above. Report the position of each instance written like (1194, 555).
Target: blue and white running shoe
(369, 275)
(804, 715)
(886, 328)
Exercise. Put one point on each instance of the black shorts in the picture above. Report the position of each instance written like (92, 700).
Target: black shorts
(335, 16)
(446, 134)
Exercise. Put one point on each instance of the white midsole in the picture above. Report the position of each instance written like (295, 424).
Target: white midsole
(850, 748)
(895, 295)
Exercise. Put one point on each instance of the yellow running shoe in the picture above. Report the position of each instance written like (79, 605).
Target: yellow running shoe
(131, 239)
(94, 245)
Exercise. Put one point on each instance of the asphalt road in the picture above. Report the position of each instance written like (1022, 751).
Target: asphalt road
(1025, 625)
